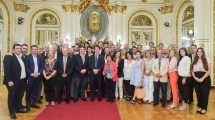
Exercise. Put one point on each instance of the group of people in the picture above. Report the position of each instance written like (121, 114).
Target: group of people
(115, 72)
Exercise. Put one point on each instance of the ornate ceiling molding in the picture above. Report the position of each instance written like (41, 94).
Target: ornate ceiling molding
(166, 9)
(20, 7)
(69, 7)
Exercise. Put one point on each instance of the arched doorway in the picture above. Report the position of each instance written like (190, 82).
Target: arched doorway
(143, 28)
(45, 26)
(185, 25)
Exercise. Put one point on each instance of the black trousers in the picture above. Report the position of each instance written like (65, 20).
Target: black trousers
(79, 85)
(191, 87)
(61, 83)
(96, 81)
(49, 88)
(202, 90)
(15, 94)
(184, 88)
(110, 86)
(157, 86)
(129, 89)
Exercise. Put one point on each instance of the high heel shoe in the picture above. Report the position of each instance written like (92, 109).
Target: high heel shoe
(183, 108)
(203, 112)
(47, 104)
(133, 102)
(172, 106)
(199, 110)
(52, 104)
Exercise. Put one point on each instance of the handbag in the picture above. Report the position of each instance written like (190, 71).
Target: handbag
(140, 92)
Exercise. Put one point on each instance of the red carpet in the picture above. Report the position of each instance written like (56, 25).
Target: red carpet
(81, 111)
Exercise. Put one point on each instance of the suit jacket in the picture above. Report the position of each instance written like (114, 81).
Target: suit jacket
(100, 64)
(78, 65)
(69, 66)
(12, 69)
(163, 70)
(120, 68)
(113, 70)
(44, 55)
(30, 65)
(190, 55)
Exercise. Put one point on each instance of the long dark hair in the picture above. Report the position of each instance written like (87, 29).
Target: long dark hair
(204, 59)
(179, 54)
(119, 56)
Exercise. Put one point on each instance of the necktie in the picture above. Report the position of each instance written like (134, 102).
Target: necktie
(159, 63)
(96, 61)
(64, 64)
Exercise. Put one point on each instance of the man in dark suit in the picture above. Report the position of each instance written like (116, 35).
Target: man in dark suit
(81, 68)
(14, 79)
(193, 49)
(24, 50)
(96, 67)
(112, 51)
(64, 70)
(34, 68)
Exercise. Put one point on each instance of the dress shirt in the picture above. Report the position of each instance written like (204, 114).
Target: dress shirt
(23, 72)
(184, 67)
(36, 69)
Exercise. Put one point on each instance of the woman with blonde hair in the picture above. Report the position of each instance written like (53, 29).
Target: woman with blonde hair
(173, 76)
(148, 77)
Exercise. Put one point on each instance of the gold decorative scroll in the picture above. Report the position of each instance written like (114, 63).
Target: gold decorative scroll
(119, 8)
(166, 9)
(83, 5)
(69, 8)
(20, 7)
(105, 5)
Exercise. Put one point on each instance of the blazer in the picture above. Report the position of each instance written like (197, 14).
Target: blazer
(12, 69)
(30, 65)
(164, 68)
(120, 68)
(78, 65)
(113, 70)
(100, 64)
(69, 66)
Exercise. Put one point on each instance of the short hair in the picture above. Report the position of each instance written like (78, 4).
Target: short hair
(96, 46)
(34, 46)
(108, 55)
(151, 43)
(140, 45)
(160, 44)
(24, 45)
(89, 47)
(81, 47)
(15, 45)
(130, 53)
(133, 42)
(134, 47)
(193, 45)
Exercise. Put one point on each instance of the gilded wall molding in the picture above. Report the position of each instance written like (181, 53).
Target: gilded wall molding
(177, 18)
(20, 7)
(156, 23)
(8, 17)
(166, 9)
(33, 16)
(118, 8)
(69, 7)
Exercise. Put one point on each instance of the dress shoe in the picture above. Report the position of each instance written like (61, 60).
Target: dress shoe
(84, 99)
(21, 111)
(91, 99)
(59, 101)
(41, 97)
(35, 106)
(75, 100)
(108, 100)
(112, 101)
(28, 109)
(13, 116)
(99, 99)
(155, 104)
(67, 101)
(163, 105)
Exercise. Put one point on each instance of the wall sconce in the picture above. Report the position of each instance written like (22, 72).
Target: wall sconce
(20, 20)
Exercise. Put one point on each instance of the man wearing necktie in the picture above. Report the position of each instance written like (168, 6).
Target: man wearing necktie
(160, 69)
(81, 68)
(96, 67)
(64, 72)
